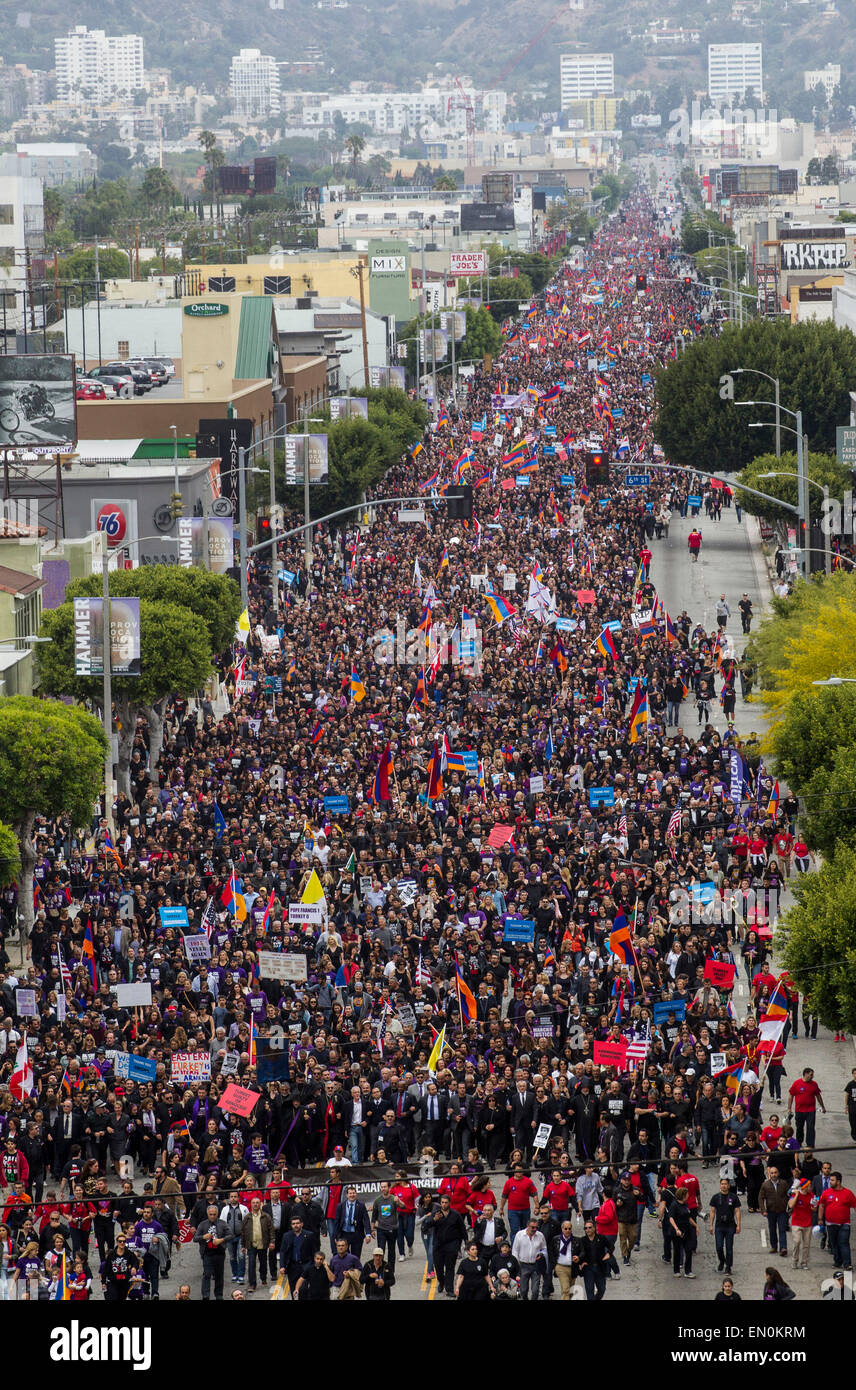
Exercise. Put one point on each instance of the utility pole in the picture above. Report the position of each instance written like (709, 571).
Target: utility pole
(107, 693)
(359, 273)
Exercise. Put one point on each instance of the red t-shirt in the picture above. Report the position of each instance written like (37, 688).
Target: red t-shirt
(740, 846)
(458, 1192)
(480, 1200)
(804, 1095)
(518, 1193)
(770, 1136)
(559, 1195)
(690, 1182)
(835, 1207)
(409, 1196)
(801, 1215)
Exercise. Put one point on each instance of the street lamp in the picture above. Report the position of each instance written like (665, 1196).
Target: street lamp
(836, 680)
(824, 487)
(753, 371)
(802, 461)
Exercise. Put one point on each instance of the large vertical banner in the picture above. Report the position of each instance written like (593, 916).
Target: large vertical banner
(38, 407)
(297, 448)
(89, 636)
(221, 543)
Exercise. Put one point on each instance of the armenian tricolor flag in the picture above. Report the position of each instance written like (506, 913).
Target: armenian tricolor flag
(267, 911)
(380, 789)
(179, 1129)
(773, 803)
(111, 848)
(777, 1004)
(619, 940)
(87, 951)
(466, 998)
(420, 698)
(435, 776)
(63, 1292)
(358, 690)
(317, 733)
(444, 562)
(498, 607)
(442, 416)
(558, 657)
(639, 713)
(731, 1076)
(606, 644)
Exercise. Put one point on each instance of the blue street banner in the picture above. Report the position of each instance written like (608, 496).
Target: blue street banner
(521, 929)
(174, 917)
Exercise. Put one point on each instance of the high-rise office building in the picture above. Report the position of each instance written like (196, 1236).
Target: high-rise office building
(733, 69)
(94, 66)
(585, 75)
(254, 84)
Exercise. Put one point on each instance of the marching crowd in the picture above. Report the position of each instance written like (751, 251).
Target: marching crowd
(505, 856)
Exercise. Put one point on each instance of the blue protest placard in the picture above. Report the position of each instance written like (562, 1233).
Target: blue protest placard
(471, 760)
(286, 576)
(703, 892)
(336, 805)
(601, 796)
(677, 1007)
(550, 430)
(566, 480)
(523, 479)
(694, 501)
(566, 624)
(174, 917)
(273, 683)
(520, 929)
(134, 1068)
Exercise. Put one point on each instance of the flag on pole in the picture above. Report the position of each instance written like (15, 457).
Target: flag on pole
(639, 713)
(88, 952)
(21, 1081)
(605, 644)
(466, 998)
(267, 911)
(435, 776)
(674, 826)
(380, 790)
(619, 939)
(773, 803)
(313, 892)
(219, 822)
(437, 1050)
(550, 748)
(63, 1292)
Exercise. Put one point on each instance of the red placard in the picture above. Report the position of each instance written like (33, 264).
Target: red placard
(610, 1054)
(238, 1101)
(720, 973)
(585, 596)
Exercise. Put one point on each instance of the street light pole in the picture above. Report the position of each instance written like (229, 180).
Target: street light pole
(107, 694)
(242, 531)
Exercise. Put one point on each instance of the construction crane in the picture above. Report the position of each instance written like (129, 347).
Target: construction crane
(464, 103)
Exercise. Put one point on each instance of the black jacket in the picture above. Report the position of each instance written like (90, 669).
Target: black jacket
(449, 1230)
(369, 1282)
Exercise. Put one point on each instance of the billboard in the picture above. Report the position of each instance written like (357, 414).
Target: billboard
(221, 543)
(467, 262)
(37, 402)
(345, 407)
(814, 255)
(296, 448)
(231, 436)
(494, 217)
(89, 636)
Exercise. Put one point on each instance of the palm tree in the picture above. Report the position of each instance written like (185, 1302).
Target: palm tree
(208, 141)
(355, 144)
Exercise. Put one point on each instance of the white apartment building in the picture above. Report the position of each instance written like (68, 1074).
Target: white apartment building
(94, 66)
(390, 113)
(586, 75)
(254, 84)
(829, 78)
(22, 229)
(733, 69)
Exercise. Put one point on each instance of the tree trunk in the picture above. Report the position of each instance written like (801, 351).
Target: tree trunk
(154, 714)
(128, 719)
(25, 885)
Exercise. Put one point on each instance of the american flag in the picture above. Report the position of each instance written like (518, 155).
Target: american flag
(423, 974)
(64, 972)
(622, 833)
(209, 918)
(674, 825)
(637, 1052)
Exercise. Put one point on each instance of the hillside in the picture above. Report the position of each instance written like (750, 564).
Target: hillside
(510, 43)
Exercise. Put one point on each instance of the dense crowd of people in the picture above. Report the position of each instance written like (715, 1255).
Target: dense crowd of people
(482, 865)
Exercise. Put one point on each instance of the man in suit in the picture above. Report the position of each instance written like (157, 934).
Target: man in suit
(434, 1112)
(489, 1232)
(406, 1108)
(351, 1222)
(523, 1116)
(67, 1130)
(297, 1249)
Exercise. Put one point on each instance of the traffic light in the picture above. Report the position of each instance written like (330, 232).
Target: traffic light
(641, 282)
(176, 506)
(263, 529)
(662, 253)
(459, 502)
(688, 279)
(597, 469)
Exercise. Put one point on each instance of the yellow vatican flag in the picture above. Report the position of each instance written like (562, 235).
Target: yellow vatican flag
(437, 1050)
(242, 627)
(313, 892)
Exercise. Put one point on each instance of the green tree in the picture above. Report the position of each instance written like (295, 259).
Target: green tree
(721, 263)
(819, 936)
(829, 799)
(359, 454)
(701, 229)
(214, 158)
(54, 207)
(608, 190)
(10, 856)
(175, 659)
(814, 727)
(446, 182)
(815, 363)
(822, 469)
(158, 190)
(355, 144)
(482, 335)
(51, 764)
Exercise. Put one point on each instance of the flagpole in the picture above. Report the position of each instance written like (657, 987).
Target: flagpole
(458, 990)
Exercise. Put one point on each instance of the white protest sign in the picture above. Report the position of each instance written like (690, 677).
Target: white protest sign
(274, 966)
(129, 996)
(542, 1136)
(197, 947)
(25, 1003)
(190, 1066)
(305, 912)
(536, 784)
(718, 1062)
(509, 581)
(230, 1064)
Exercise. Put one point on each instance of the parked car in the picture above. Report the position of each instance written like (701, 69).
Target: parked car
(142, 379)
(167, 364)
(109, 387)
(157, 369)
(90, 390)
(120, 378)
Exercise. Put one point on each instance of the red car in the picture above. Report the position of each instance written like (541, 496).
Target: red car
(90, 391)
